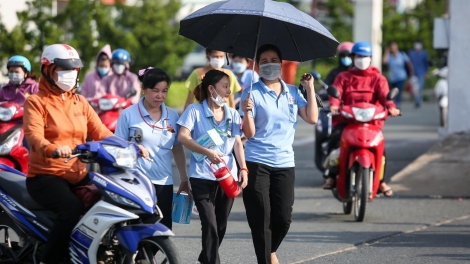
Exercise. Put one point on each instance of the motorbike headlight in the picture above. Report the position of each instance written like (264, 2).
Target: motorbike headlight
(363, 114)
(122, 200)
(107, 104)
(10, 142)
(6, 114)
(125, 157)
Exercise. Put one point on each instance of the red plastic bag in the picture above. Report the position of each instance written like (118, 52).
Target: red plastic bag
(89, 195)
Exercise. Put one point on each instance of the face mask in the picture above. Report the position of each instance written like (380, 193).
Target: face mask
(362, 63)
(418, 46)
(270, 71)
(218, 100)
(119, 68)
(16, 78)
(239, 67)
(217, 63)
(66, 80)
(346, 61)
(103, 71)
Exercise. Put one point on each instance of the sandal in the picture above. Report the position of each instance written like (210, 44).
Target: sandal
(329, 186)
(388, 193)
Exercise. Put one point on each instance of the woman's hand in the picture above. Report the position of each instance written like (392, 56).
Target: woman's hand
(334, 110)
(394, 112)
(184, 187)
(63, 151)
(214, 156)
(247, 104)
(144, 152)
(243, 178)
(307, 81)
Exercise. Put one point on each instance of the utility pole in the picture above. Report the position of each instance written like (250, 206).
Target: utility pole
(367, 26)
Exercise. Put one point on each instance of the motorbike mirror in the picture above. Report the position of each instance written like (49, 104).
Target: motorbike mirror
(132, 93)
(393, 94)
(333, 92)
(138, 135)
(316, 75)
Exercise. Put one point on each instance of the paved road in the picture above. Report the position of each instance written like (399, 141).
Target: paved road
(320, 228)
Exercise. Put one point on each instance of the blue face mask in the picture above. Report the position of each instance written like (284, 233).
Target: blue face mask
(103, 71)
(346, 61)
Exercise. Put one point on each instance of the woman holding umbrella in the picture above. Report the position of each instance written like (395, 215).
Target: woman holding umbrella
(270, 113)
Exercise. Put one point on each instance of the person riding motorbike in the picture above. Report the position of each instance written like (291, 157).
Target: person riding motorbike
(363, 83)
(21, 85)
(345, 62)
(91, 84)
(56, 120)
(122, 81)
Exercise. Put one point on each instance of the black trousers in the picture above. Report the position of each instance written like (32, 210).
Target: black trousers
(165, 203)
(214, 208)
(268, 199)
(55, 194)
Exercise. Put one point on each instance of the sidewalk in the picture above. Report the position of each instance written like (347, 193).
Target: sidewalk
(442, 172)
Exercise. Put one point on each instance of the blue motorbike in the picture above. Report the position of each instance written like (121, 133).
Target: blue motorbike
(111, 231)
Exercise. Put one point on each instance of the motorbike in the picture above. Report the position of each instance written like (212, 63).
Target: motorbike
(12, 151)
(441, 89)
(109, 108)
(109, 232)
(361, 155)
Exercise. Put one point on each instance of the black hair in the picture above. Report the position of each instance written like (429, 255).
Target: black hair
(239, 56)
(209, 51)
(103, 56)
(267, 47)
(152, 76)
(212, 77)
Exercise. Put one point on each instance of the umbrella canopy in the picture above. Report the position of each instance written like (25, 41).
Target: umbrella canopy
(242, 26)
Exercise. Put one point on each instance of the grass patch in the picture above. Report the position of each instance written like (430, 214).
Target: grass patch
(176, 95)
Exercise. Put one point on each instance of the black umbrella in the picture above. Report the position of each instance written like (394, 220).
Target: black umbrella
(242, 26)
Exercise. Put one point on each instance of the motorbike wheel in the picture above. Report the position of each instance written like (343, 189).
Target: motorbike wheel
(347, 207)
(362, 193)
(156, 250)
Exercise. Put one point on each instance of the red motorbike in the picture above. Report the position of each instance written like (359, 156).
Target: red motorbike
(109, 108)
(361, 155)
(12, 152)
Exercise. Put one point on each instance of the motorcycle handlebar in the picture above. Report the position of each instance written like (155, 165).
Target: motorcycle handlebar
(55, 155)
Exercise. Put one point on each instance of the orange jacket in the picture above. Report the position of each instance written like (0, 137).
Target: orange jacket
(54, 118)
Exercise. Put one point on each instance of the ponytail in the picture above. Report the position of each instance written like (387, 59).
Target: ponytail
(212, 77)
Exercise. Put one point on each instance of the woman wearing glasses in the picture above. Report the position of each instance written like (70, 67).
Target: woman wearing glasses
(159, 131)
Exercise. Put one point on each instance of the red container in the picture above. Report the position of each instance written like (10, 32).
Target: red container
(226, 181)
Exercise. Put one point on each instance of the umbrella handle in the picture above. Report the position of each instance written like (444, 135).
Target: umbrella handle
(254, 59)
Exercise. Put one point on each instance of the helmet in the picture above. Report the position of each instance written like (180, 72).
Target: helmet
(362, 48)
(345, 46)
(121, 56)
(61, 55)
(19, 61)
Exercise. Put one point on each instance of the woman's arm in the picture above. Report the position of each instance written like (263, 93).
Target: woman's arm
(248, 116)
(185, 138)
(95, 127)
(33, 124)
(180, 160)
(385, 57)
(310, 112)
(240, 154)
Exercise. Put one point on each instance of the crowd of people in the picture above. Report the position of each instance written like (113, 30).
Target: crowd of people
(57, 119)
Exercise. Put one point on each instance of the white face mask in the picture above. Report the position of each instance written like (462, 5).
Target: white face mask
(239, 67)
(16, 78)
(270, 71)
(362, 63)
(217, 63)
(119, 68)
(418, 46)
(218, 100)
(66, 80)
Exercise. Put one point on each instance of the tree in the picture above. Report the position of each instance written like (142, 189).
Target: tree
(339, 19)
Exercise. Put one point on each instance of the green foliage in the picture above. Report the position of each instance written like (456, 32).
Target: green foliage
(177, 95)
(414, 24)
(147, 30)
(339, 19)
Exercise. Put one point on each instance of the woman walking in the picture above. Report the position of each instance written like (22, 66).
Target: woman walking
(269, 121)
(211, 201)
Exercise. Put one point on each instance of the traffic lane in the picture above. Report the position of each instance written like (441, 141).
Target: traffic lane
(447, 243)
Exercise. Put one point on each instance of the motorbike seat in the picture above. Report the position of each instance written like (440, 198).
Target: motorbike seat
(15, 186)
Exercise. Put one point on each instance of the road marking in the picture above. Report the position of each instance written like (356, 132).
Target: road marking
(380, 239)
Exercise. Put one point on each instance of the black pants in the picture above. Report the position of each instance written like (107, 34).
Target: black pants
(334, 143)
(165, 203)
(268, 199)
(55, 194)
(214, 208)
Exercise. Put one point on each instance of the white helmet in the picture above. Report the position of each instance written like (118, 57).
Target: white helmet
(61, 55)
